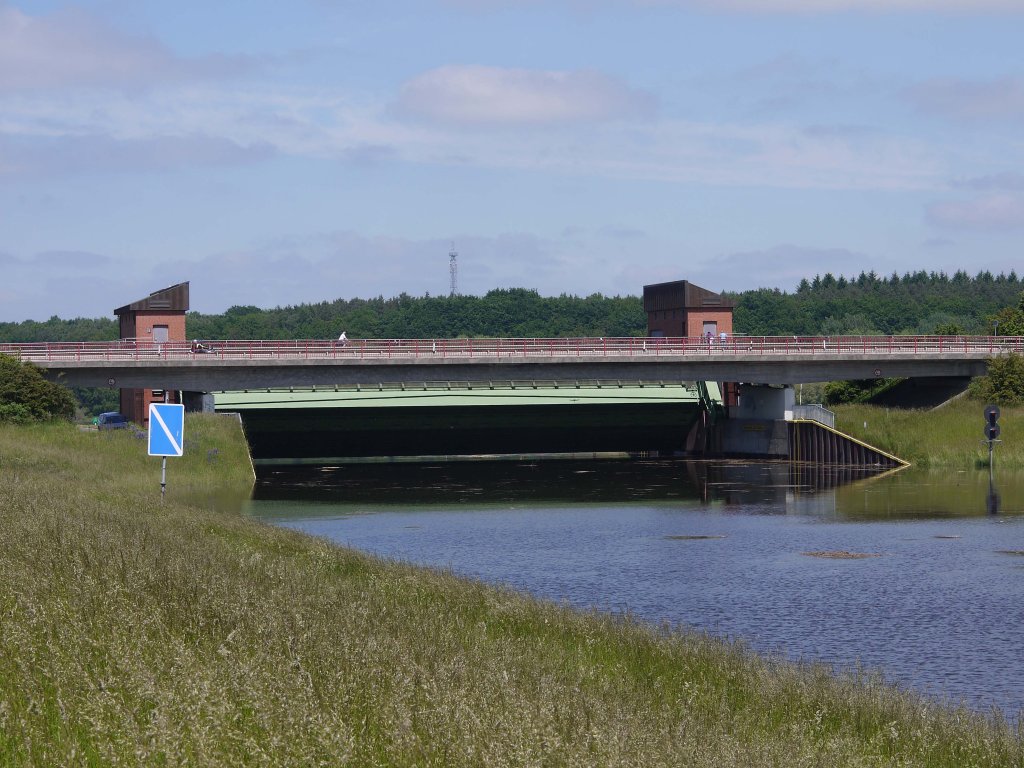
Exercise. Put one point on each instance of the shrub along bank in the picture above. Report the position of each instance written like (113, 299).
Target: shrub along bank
(140, 633)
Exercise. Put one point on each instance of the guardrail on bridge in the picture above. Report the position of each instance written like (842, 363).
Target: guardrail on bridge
(502, 348)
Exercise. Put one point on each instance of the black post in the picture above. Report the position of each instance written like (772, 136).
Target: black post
(991, 431)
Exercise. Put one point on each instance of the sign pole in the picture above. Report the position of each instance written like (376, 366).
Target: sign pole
(166, 436)
(163, 468)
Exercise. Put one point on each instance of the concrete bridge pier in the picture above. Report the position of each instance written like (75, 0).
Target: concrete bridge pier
(757, 424)
(198, 402)
(767, 423)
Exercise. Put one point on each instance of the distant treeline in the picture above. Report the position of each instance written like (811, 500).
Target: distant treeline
(919, 302)
(507, 312)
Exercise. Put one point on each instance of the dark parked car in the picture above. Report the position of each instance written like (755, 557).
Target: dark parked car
(111, 420)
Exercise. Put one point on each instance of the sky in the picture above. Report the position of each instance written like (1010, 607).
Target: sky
(278, 153)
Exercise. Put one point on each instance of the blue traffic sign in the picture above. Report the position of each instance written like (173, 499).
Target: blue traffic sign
(166, 429)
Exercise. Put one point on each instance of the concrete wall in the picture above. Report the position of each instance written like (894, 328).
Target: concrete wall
(754, 437)
(757, 402)
(757, 424)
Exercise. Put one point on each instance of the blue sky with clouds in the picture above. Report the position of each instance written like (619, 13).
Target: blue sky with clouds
(278, 153)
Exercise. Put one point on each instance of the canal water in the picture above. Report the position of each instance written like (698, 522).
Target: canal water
(917, 574)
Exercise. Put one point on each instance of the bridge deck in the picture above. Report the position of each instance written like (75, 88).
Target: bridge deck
(772, 360)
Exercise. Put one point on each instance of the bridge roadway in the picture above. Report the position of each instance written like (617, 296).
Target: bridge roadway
(236, 365)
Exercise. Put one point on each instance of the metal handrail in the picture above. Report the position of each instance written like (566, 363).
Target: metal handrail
(815, 412)
(482, 349)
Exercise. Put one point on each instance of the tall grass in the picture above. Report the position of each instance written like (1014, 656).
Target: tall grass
(135, 632)
(946, 437)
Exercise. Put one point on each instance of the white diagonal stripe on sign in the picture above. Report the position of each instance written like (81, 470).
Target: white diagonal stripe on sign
(167, 431)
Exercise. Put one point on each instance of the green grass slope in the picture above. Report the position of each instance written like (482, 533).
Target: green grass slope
(139, 633)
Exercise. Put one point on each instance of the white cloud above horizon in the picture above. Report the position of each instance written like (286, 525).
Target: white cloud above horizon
(568, 146)
(71, 48)
(845, 6)
(478, 95)
(990, 212)
(816, 7)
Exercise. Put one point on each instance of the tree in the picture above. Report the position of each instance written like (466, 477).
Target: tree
(1004, 383)
(97, 400)
(25, 396)
(1010, 320)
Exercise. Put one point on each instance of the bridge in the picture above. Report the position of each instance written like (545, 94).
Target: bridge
(240, 365)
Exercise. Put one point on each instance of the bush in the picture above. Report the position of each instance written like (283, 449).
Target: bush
(1004, 383)
(25, 396)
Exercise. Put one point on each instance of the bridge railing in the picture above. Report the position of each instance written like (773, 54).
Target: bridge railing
(491, 348)
(815, 412)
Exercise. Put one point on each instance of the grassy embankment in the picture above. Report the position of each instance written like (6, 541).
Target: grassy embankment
(947, 437)
(139, 633)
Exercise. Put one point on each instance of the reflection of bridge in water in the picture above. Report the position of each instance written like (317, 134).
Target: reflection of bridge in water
(781, 486)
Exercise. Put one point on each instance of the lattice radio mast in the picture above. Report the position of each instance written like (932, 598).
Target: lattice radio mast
(453, 270)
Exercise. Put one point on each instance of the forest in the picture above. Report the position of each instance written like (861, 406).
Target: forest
(914, 303)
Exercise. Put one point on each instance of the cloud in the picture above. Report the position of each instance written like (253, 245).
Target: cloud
(366, 155)
(35, 156)
(78, 260)
(327, 266)
(839, 131)
(842, 6)
(956, 99)
(477, 95)
(767, 6)
(70, 48)
(48, 134)
(208, 126)
(625, 234)
(990, 212)
(67, 284)
(1008, 180)
(785, 265)
(781, 266)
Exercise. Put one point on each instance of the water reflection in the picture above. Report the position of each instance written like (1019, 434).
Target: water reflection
(726, 482)
(992, 500)
(929, 593)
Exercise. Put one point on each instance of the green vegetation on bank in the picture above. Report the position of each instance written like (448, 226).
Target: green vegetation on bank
(141, 633)
(25, 396)
(949, 436)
